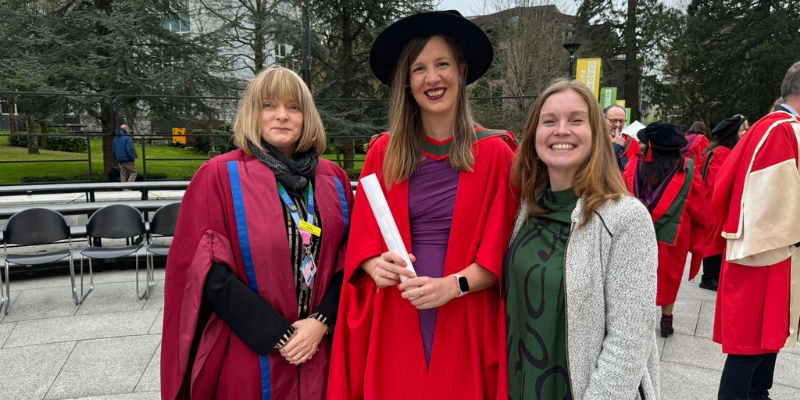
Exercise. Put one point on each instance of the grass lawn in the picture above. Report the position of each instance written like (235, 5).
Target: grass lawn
(78, 170)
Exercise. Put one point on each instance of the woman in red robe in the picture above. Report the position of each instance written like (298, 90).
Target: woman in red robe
(440, 333)
(255, 269)
(696, 142)
(674, 195)
(712, 244)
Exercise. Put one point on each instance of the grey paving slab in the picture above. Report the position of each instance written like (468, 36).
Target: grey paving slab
(104, 366)
(158, 324)
(688, 383)
(111, 275)
(684, 316)
(156, 300)
(151, 379)
(787, 370)
(111, 297)
(126, 396)
(32, 369)
(660, 343)
(81, 327)
(694, 351)
(5, 331)
(705, 322)
(42, 303)
(794, 349)
(13, 297)
(39, 282)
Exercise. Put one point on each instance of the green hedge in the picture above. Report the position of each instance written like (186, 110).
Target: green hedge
(73, 144)
(223, 143)
(43, 178)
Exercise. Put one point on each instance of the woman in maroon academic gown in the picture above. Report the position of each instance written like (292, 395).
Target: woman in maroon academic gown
(255, 270)
(674, 195)
(696, 142)
(726, 135)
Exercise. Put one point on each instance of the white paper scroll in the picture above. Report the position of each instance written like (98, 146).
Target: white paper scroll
(389, 231)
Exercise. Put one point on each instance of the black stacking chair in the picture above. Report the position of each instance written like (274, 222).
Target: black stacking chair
(31, 227)
(117, 221)
(163, 224)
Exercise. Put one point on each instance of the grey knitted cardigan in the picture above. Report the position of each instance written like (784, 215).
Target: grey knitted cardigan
(610, 275)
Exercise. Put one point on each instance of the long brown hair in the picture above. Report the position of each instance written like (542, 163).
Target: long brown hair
(406, 138)
(598, 178)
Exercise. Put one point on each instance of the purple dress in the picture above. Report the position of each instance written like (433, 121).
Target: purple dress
(431, 200)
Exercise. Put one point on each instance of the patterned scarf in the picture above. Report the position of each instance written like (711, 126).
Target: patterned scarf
(292, 174)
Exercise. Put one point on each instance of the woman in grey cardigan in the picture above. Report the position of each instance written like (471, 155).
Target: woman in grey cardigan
(580, 271)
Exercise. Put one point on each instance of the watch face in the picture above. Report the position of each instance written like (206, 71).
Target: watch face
(463, 285)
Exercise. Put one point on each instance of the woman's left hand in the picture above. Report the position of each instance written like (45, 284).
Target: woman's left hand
(427, 292)
(305, 341)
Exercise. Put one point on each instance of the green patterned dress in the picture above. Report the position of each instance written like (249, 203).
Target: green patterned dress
(535, 315)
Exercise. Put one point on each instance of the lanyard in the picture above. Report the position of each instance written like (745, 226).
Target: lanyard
(305, 235)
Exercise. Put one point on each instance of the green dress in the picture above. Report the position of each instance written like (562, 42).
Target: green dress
(535, 315)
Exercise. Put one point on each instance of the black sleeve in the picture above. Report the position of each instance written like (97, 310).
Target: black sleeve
(622, 159)
(250, 316)
(329, 306)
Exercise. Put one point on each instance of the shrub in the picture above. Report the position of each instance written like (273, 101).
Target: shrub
(72, 144)
(156, 175)
(223, 143)
(18, 140)
(353, 173)
(43, 178)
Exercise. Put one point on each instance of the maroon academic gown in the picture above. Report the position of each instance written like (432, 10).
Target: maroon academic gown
(672, 255)
(757, 191)
(231, 214)
(378, 352)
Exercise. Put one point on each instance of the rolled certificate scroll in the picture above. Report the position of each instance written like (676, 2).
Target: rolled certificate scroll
(372, 188)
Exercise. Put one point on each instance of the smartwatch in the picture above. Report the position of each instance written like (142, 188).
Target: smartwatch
(463, 285)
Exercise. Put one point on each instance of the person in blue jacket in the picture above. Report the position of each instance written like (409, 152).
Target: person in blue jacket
(125, 154)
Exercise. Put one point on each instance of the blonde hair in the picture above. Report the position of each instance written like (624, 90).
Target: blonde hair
(277, 83)
(598, 178)
(406, 139)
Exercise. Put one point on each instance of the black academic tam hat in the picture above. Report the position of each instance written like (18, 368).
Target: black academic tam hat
(662, 136)
(727, 127)
(471, 39)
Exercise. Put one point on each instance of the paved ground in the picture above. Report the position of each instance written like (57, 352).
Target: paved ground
(109, 347)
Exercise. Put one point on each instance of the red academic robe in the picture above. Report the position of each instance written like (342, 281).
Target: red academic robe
(697, 144)
(378, 351)
(674, 242)
(712, 242)
(631, 148)
(757, 190)
(231, 214)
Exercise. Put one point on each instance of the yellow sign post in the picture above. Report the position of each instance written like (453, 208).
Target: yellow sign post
(178, 136)
(588, 72)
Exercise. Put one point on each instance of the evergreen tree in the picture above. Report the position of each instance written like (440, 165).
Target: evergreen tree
(641, 30)
(114, 47)
(731, 58)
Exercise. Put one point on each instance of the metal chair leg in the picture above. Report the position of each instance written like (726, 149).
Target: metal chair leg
(5, 297)
(149, 278)
(80, 298)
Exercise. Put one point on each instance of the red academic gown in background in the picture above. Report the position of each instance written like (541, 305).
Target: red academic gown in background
(757, 190)
(694, 149)
(712, 242)
(631, 148)
(378, 352)
(675, 238)
(200, 357)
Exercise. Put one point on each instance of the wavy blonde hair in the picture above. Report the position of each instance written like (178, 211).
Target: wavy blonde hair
(277, 83)
(598, 178)
(406, 138)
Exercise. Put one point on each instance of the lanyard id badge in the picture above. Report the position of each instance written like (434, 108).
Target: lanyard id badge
(306, 228)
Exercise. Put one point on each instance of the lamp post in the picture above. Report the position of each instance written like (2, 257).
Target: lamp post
(306, 48)
(571, 48)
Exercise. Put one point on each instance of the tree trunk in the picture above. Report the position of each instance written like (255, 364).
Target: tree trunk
(107, 121)
(12, 116)
(633, 70)
(349, 152)
(33, 141)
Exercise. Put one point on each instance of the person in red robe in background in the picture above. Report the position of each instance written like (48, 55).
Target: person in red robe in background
(255, 268)
(625, 147)
(758, 300)
(711, 245)
(675, 196)
(696, 142)
(441, 333)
